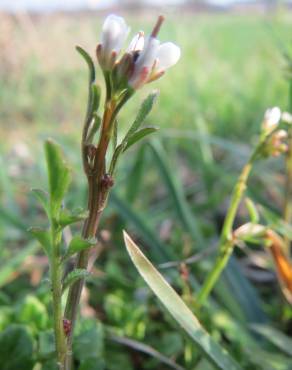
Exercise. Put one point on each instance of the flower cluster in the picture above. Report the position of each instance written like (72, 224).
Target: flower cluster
(145, 59)
(275, 139)
(271, 119)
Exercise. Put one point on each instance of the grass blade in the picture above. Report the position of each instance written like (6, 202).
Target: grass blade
(178, 309)
(176, 193)
(280, 340)
(141, 347)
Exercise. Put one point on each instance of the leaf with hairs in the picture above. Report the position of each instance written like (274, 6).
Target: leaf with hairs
(43, 197)
(59, 176)
(138, 135)
(79, 244)
(43, 237)
(70, 217)
(73, 276)
(144, 110)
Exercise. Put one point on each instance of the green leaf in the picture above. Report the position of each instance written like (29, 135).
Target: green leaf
(130, 136)
(138, 135)
(141, 347)
(43, 197)
(115, 134)
(89, 62)
(70, 217)
(95, 97)
(89, 343)
(59, 176)
(16, 348)
(73, 276)
(280, 340)
(144, 110)
(178, 309)
(78, 244)
(117, 152)
(44, 238)
(252, 210)
(32, 312)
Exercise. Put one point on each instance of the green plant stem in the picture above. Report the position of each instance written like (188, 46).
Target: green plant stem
(56, 281)
(226, 240)
(287, 209)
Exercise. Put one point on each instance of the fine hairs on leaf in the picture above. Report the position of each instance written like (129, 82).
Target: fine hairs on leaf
(133, 135)
(78, 244)
(43, 237)
(43, 198)
(73, 276)
(59, 176)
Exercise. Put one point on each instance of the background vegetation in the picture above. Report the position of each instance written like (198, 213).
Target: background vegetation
(171, 194)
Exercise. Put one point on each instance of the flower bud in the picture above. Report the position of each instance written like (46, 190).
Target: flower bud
(271, 119)
(275, 144)
(287, 117)
(114, 34)
(122, 72)
(144, 63)
(153, 59)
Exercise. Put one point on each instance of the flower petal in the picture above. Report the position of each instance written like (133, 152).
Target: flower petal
(272, 118)
(137, 43)
(114, 33)
(168, 54)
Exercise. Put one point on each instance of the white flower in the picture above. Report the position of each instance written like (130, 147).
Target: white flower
(287, 117)
(137, 43)
(113, 36)
(271, 119)
(153, 61)
(167, 56)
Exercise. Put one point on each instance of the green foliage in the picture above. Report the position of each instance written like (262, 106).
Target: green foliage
(138, 135)
(78, 244)
(43, 198)
(134, 134)
(43, 237)
(88, 346)
(46, 345)
(33, 313)
(16, 348)
(89, 62)
(70, 217)
(73, 276)
(143, 112)
(59, 176)
(252, 210)
(280, 340)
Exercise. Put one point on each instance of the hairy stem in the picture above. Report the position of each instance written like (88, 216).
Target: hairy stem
(97, 197)
(56, 281)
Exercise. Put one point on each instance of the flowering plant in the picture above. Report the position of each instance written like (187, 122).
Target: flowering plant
(144, 61)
